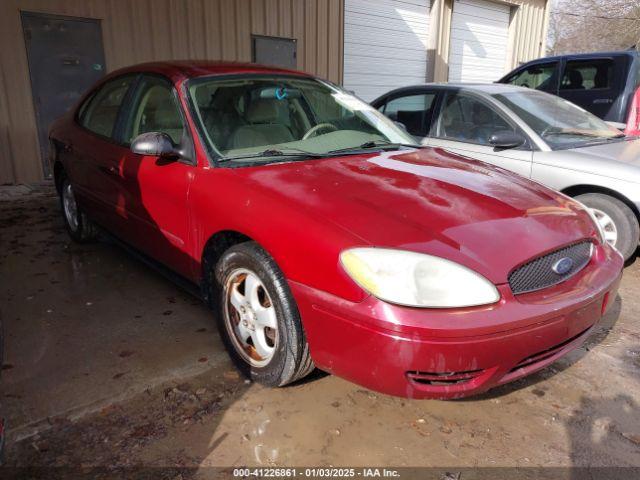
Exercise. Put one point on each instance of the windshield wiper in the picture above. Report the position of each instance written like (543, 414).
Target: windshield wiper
(272, 152)
(375, 144)
(569, 131)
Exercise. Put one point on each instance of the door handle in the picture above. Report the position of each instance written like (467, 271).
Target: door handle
(110, 170)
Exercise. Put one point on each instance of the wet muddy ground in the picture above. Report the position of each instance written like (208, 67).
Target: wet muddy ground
(109, 364)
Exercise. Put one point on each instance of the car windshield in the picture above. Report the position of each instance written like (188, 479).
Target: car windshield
(559, 123)
(256, 119)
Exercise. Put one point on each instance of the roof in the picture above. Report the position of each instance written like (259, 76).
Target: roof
(182, 69)
(630, 52)
(487, 88)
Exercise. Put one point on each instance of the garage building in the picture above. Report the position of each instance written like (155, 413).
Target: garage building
(52, 50)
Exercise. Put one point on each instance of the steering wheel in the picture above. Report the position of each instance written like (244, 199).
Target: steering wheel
(321, 126)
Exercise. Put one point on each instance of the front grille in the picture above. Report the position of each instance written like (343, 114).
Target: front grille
(538, 274)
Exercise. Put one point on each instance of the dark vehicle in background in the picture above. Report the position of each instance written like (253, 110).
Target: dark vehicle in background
(606, 84)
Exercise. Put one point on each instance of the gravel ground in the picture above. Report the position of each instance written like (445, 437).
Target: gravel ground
(110, 365)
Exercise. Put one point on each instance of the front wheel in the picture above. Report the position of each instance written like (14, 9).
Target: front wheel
(619, 223)
(258, 317)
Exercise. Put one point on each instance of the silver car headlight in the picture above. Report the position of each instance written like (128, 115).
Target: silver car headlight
(416, 279)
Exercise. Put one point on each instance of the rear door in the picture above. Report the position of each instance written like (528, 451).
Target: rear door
(464, 124)
(95, 153)
(595, 84)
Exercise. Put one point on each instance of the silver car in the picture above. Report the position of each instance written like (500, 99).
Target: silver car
(537, 135)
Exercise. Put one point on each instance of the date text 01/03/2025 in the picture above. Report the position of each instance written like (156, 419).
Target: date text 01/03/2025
(315, 472)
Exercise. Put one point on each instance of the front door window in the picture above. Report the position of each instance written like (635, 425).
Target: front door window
(468, 119)
(156, 110)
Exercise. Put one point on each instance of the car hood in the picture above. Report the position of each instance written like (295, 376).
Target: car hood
(620, 160)
(431, 201)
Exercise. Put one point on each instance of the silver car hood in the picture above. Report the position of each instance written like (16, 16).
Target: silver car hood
(627, 151)
(619, 160)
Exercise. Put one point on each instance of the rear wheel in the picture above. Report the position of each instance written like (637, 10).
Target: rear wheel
(618, 221)
(258, 317)
(80, 228)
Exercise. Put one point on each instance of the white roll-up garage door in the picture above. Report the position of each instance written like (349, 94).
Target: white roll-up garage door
(385, 45)
(479, 40)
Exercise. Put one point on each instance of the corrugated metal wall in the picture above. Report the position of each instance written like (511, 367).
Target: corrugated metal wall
(142, 30)
(527, 33)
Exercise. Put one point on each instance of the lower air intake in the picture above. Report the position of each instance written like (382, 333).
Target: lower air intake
(446, 378)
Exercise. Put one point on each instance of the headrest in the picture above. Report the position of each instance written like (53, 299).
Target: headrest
(575, 78)
(481, 114)
(601, 78)
(262, 110)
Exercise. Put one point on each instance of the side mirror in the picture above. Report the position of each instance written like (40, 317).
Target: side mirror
(506, 139)
(155, 144)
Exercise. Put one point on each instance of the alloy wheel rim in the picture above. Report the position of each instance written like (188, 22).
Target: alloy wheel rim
(250, 317)
(70, 206)
(608, 226)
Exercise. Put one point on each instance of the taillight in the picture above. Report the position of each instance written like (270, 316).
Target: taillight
(633, 120)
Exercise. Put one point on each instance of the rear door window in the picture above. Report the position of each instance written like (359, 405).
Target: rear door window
(587, 74)
(99, 113)
(415, 112)
(541, 76)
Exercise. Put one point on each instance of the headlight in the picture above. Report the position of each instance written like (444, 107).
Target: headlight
(417, 280)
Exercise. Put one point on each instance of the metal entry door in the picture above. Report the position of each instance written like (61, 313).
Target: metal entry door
(65, 58)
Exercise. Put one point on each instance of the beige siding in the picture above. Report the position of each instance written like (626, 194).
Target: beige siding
(527, 31)
(143, 30)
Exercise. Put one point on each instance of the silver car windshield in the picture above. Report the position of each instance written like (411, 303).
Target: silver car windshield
(258, 118)
(559, 123)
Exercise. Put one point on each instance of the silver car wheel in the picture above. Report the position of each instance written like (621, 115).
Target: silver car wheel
(70, 206)
(608, 226)
(250, 317)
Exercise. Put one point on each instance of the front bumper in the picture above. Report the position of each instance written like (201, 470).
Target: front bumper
(450, 353)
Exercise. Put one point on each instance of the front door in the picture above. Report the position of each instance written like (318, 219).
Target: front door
(464, 125)
(154, 191)
(65, 58)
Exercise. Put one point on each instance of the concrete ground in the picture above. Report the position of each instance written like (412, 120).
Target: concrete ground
(109, 364)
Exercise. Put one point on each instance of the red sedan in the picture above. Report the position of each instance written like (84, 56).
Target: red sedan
(322, 235)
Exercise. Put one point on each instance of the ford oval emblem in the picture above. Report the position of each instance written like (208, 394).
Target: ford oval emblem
(563, 266)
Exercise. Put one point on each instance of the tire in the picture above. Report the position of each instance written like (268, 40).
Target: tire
(625, 221)
(284, 356)
(81, 230)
